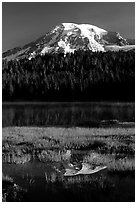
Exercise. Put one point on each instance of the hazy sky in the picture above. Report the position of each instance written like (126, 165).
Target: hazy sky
(25, 22)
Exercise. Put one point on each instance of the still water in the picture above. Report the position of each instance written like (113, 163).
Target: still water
(34, 177)
(65, 114)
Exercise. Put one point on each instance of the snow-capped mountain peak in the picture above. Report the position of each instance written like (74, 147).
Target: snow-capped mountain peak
(68, 37)
(85, 28)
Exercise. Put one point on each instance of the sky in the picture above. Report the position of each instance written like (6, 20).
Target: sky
(24, 22)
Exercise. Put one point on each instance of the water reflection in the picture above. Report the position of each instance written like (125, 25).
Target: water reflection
(65, 114)
(46, 180)
(43, 183)
(31, 173)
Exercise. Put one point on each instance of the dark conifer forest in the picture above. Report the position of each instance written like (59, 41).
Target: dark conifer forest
(78, 76)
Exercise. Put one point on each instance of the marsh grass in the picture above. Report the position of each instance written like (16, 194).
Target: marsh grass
(109, 160)
(99, 181)
(111, 147)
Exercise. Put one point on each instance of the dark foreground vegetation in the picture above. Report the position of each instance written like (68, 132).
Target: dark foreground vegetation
(84, 76)
(56, 148)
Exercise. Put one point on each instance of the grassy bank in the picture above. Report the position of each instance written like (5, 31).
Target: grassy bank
(114, 147)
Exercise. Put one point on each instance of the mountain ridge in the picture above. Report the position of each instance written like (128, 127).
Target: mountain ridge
(68, 37)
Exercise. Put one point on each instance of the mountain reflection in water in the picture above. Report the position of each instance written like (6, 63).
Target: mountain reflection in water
(65, 114)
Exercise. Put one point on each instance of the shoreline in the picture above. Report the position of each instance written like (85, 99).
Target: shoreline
(68, 102)
(21, 144)
(94, 131)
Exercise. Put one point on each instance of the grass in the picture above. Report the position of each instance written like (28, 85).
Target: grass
(68, 138)
(113, 147)
(113, 164)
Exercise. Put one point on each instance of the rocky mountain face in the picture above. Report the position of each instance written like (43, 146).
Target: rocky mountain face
(68, 37)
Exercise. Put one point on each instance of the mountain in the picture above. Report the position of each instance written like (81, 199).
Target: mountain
(68, 37)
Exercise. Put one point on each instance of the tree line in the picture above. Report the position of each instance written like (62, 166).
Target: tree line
(82, 75)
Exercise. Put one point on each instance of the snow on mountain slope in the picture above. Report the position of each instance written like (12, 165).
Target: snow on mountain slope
(68, 37)
(83, 31)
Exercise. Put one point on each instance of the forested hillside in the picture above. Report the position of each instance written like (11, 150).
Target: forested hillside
(82, 76)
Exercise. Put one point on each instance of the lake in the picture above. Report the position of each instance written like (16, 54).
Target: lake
(65, 114)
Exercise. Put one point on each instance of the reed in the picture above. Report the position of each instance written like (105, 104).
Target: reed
(109, 160)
